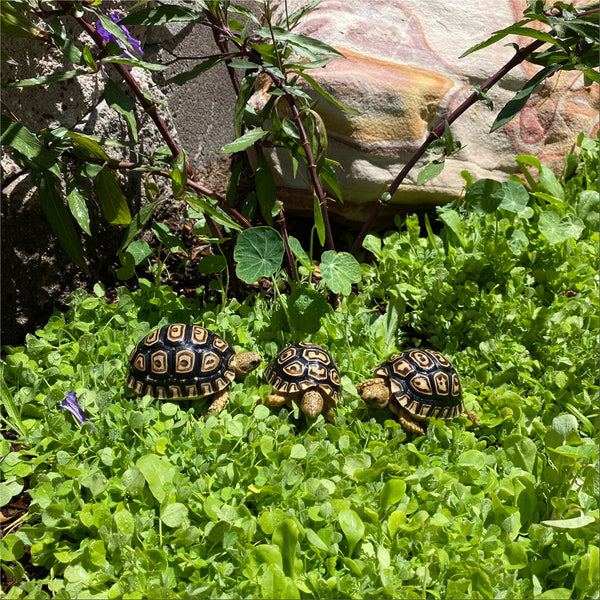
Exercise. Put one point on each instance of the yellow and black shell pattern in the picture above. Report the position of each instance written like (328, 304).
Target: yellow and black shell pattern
(180, 361)
(302, 366)
(424, 383)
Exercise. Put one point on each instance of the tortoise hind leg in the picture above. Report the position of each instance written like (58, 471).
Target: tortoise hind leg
(328, 412)
(218, 403)
(312, 404)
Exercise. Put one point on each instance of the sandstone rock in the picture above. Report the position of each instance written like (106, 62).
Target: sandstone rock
(402, 72)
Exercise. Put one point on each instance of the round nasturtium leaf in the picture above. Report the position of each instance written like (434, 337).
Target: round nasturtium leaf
(258, 252)
(339, 270)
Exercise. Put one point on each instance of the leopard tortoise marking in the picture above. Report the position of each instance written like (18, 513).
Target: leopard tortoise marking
(304, 374)
(183, 361)
(416, 385)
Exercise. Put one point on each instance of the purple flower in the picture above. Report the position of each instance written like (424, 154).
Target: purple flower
(109, 37)
(72, 405)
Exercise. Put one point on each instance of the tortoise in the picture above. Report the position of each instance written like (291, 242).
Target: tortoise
(304, 374)
(416, 385)
(183, 361)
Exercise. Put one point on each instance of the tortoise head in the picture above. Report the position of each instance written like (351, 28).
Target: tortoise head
(376, 393)
(245, 362)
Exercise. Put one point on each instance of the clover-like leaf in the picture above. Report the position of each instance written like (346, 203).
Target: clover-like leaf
(352, 526)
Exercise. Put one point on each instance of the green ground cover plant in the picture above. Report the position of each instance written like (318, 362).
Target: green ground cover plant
(149, 500)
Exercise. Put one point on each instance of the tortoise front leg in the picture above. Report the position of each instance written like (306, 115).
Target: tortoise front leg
(218, 403)
(275, 400)
(472, 417)
(408, 422)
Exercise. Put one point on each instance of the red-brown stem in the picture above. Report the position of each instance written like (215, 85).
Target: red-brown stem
(438, 132)
(310, 162)
(280, 219)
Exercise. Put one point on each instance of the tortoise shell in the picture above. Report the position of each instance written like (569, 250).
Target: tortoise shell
(424, 383)
(301, 366)
(180, 361)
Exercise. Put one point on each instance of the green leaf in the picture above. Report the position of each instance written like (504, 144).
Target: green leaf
(46, 79)
(60, 220)
(304, 45)
(174, 515)
(133, 480)
(574, 523)
(521, 451)
(319, 222)
(514, 106)
(554, 594)
(212, 210)
(87, 145)
(393, 491)
(299, 253)
(161, 15)
(339, 270)
(516, 29)
(265, 188)
(133, 62)
(8, 490)
(158, 473)
(485, 196)
(247, 88)
(587, 575)
(198, 69)
(167, 239)
(138, 223)
(64, 43)
(139, 250)
(306, 307)
(326, 94)
(116, 31)
(245, 141)
(10, 413)
(352, 526)
(514, 197)
(286, 537)
(258, 252)
(453, 221)
(95, 481)
(557, 230)
(14, 22)
(24, 141)
(117, 99)
(78, 206)
(431, 170)
(564, 430)
(275, 584)
(111, 197)
(212, 264)
(179, 175)
(550, 183)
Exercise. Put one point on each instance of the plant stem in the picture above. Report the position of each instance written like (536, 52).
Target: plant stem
(310, 159)
(280, 219)
(436, 133)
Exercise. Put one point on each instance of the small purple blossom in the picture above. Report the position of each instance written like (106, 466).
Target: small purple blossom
(72, 405)
(109, 37)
